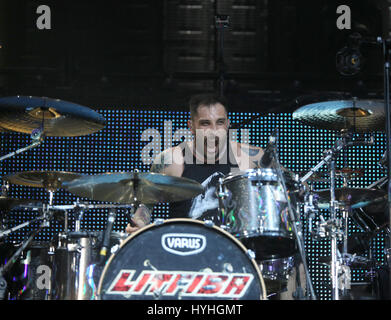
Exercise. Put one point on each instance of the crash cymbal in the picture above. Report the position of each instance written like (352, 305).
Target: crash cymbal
(59, 118)
(147, 188)
(349, 195)
(317, 176)
(7, 204)
(325, 176)
(356, 115)
(50, 180)
(346, 171)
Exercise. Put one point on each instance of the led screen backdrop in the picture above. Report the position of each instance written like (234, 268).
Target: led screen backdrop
(118, 148)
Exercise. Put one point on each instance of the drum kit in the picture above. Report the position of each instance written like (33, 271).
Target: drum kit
(249, 249)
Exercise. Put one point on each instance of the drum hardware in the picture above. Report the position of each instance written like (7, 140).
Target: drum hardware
(36, 141)
(310, 206)
(4, 269)
(45, 218)
(298, 235)
(331, 228)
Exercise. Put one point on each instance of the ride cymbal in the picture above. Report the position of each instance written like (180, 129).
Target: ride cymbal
(355, 115)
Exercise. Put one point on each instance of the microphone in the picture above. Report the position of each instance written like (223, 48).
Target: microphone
(106, 238)
(268, 153)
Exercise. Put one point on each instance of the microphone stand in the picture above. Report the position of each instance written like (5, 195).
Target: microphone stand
(294, 227)
(221, 22)
(386, 44)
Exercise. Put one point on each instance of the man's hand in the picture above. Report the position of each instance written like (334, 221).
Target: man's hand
(141, 218)
(137, 225)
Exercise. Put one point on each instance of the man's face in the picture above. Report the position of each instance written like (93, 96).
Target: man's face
(210, 125)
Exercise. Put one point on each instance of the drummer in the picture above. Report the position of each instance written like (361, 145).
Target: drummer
(205, 163)
(209, 156)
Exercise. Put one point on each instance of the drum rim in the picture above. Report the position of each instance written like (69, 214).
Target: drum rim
(271, 175)
(188, 220)
(244, 173)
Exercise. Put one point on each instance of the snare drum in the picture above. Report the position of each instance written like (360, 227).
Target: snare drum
(181, 259)
(255, 210)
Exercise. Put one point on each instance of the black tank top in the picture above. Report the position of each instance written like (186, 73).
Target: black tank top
(205, 205)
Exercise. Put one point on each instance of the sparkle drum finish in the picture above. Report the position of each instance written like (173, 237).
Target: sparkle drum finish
(255, 210)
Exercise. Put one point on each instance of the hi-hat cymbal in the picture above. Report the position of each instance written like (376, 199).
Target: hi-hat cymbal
(50, 180)
(7, 204)
(350, 195)
(147, 188)
(59, 118)
(355, 115)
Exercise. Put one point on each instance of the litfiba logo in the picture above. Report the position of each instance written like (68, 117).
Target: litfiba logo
(184, 283)
(183, 244)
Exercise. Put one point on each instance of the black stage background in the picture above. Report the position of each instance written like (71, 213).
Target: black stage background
(137, 62)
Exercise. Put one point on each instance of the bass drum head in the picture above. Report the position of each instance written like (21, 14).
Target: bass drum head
(181, 259)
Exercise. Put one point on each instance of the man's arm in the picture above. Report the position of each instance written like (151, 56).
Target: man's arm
(142, 216)
(251, 157)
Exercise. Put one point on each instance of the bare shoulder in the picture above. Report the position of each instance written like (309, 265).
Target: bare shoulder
(169, 161)
(247, 156)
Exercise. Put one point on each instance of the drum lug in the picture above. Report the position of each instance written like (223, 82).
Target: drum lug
(158, 222)
(209, 223)
(250, 254)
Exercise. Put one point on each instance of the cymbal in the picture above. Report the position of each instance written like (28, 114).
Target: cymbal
(346, 171)
(146, 188)
(50, 180)
(6, 204)
(58, 117)
(316, 176)
(350, 195)
(356, 115)
(325, 176)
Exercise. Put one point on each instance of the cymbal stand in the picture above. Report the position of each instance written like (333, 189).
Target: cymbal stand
(79, 216)
(37, 137)
(332, 228)
(292, 216)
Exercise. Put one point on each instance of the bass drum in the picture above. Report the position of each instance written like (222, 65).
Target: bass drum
(181, 259)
